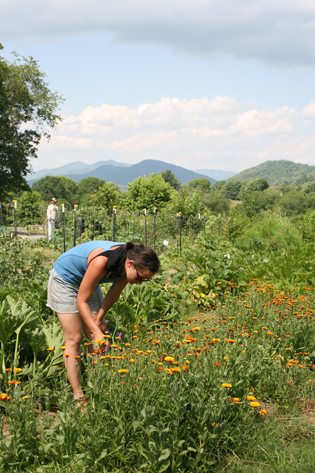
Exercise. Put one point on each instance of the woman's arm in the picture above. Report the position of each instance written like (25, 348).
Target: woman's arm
(91, 279)
(110, 298)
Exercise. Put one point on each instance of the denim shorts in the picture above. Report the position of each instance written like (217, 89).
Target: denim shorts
(62, 296)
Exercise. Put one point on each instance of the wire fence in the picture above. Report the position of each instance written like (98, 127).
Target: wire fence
(75, 225)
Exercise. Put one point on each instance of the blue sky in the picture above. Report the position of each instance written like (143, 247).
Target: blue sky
(202, 84)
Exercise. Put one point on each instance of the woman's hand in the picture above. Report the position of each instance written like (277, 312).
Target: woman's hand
(102, 324)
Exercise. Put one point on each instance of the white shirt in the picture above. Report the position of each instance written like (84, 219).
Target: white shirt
(52, 210)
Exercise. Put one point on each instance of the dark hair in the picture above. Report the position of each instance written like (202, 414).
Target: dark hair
(143, 256)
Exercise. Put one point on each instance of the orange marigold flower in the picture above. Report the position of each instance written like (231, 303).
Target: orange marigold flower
(14, 382)
(17, 370)
(8, 370)
(176, 369)
(216, 363)
(235, 400)
(230, 340)
(226, 385)
(263, 412)
(195, 329)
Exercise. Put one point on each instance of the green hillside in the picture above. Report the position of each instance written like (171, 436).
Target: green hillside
(279, 172)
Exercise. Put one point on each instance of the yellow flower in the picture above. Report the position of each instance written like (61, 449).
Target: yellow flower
(4, 397)
(17, 370)
(226, 385)
(254, 404)
(169, 359)
(25, 397)
(195, 329)
(50, 348)
(176, 369)
(123, 371)
(250, 398)
(132, 360)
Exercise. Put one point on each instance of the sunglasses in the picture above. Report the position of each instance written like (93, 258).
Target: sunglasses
(139, 277)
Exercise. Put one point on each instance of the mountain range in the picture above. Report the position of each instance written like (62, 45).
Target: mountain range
(275, 172)
(122, 174)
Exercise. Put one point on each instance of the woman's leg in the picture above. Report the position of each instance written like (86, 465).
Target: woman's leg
(71, 325)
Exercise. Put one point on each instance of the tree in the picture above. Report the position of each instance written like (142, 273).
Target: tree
(201, 184)
(310, 188)
(256, 185)
(89, 185)
(106, 196)
(61, 187)
(28, 110)
(169, 177)
(29, 209)
(232, 189)
(147, 192)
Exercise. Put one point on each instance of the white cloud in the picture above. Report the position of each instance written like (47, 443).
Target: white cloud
(200, 133)
(273, 31)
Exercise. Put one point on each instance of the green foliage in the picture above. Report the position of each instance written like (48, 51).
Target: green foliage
(106, 196)
(256, 200)
(188, 204)
(232, 189)
(200, 184)
(148, 192)
(14, 316)
(169, 177)
(27, 111)
(293, 202)
(146, 303)
(29, 209)
(63, 188)
(310, 188)
(89, 185)
(273, 248)
(256, 185)
(277, 172)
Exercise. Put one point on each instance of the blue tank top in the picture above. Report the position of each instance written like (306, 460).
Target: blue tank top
(72, 264)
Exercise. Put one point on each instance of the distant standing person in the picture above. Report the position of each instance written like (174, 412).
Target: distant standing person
(52, 211)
